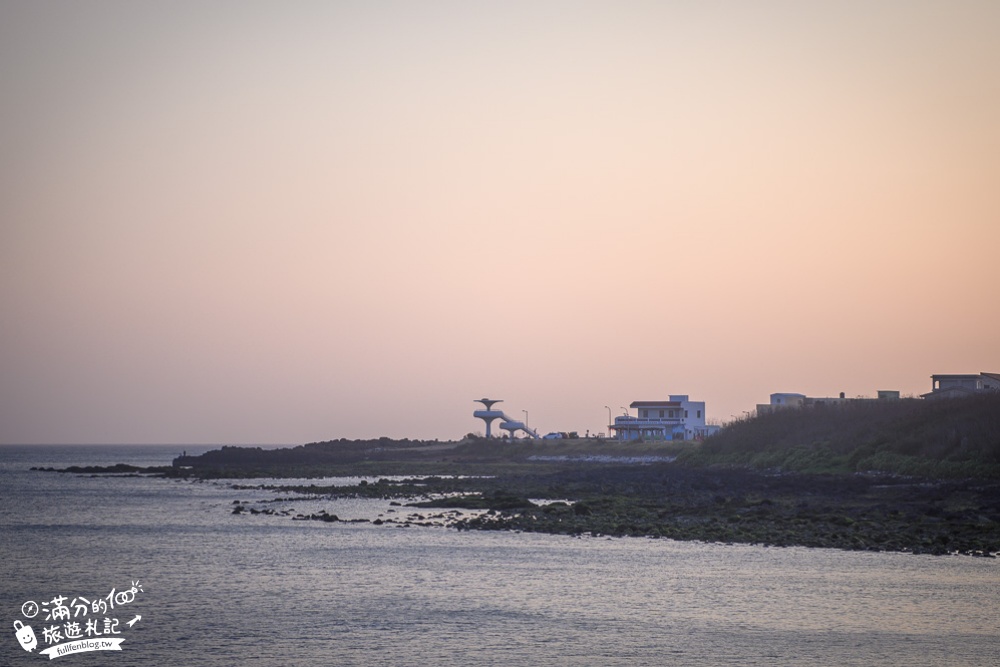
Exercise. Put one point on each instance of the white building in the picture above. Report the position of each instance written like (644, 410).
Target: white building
(782, 400)
(676, 419)
(788, 400)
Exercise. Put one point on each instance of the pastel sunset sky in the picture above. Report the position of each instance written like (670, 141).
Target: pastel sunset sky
(280, 222)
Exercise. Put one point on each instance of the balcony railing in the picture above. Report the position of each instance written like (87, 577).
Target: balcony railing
(657, 421)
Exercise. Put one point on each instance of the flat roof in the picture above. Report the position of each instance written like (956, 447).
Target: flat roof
(655, 404)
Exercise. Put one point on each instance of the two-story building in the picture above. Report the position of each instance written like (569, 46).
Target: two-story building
(675, 419)
(956, 386)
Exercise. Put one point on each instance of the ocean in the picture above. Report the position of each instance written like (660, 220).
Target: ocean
(203, 586)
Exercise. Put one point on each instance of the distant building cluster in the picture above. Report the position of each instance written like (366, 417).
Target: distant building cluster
(784, 400)
(680, 418)
(942, 386)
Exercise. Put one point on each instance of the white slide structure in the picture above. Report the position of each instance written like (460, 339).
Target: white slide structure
(506, 423)
(513, 425)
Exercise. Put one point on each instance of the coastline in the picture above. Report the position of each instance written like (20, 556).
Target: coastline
(583, 488)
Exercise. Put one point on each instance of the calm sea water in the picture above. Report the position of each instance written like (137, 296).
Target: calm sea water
(221, 589)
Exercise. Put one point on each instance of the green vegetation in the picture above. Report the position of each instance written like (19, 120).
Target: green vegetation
(944, 439)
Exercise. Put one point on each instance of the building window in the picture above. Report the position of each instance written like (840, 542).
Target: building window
(642, 413)
(699, 414)
(685, 414)
(661, 414)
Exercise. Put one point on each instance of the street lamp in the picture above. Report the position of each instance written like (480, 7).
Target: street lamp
(625, 409)
(525, 417)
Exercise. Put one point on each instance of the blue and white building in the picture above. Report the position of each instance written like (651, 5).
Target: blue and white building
(675, 419)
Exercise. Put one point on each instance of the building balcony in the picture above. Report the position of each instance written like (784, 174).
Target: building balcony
(648, 421)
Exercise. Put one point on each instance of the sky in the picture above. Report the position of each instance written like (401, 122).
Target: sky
(260, 222)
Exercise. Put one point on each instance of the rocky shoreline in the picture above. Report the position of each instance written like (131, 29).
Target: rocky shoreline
(857, 512)
(601, 490)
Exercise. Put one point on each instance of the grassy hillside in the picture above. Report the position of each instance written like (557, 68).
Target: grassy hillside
(940, 439)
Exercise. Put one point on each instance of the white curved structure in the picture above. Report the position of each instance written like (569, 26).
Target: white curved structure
(511, 425)
(489, 415)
